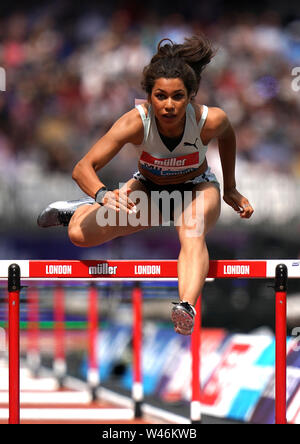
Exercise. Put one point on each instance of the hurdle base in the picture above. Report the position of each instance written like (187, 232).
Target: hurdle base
(61, 381)
(138, 413)
(60, 371)
(94, 393)
(34, 363)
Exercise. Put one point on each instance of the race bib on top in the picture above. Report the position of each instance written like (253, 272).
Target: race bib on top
(169, 166)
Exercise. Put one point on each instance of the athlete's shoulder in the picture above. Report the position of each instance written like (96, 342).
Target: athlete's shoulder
(132, 117)
(216, 117)
(130, 125)
(198, 109)
(145, 107)
(216, 121)
(215, 124)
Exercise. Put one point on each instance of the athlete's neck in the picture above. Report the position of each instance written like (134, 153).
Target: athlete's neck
(171, 131)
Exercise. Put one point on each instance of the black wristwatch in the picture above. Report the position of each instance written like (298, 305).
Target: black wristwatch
(100, 195)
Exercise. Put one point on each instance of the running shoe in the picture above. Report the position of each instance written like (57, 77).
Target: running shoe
(183, 316)
(60, 212)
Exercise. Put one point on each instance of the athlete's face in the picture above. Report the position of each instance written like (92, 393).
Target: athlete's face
(169, 99)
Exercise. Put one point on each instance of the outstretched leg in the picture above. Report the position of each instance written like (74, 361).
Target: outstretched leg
(193, 260)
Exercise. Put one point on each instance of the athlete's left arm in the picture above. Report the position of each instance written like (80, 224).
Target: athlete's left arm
(222, 130)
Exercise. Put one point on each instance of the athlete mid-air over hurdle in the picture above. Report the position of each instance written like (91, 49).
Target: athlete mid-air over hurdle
(171, 133)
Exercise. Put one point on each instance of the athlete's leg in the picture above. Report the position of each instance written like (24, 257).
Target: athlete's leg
(86, 230)
(193, 260)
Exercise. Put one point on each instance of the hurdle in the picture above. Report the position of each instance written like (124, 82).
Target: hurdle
(59, 364)
(33, 356)
(139, 270)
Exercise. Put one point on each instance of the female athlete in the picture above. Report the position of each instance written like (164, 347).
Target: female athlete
(171, 134)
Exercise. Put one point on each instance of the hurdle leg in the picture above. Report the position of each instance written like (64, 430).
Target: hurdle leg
(93, 366)
(14, 288)
(137, 387)
(33, 355)
(195, 412)
(59, 364)
(280, 340)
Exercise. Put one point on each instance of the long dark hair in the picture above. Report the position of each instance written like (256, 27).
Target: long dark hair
(185, 61)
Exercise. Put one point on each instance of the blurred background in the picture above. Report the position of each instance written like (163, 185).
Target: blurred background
(72, 70)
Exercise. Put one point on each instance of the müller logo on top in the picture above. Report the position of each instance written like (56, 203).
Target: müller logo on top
(170, 162)
(236, 269)
(138, 269)
(103, 269)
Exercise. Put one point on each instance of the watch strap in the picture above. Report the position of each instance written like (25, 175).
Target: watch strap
(100, 195)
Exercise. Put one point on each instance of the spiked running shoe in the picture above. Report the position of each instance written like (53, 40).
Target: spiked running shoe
(183, 316)
(60, 212)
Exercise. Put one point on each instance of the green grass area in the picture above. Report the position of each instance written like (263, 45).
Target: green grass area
(50, 325)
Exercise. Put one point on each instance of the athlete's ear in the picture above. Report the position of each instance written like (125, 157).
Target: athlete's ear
(149, 98)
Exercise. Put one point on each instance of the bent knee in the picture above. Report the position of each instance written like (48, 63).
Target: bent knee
(77, 237)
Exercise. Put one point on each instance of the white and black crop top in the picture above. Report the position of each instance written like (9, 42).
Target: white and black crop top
(163, 165)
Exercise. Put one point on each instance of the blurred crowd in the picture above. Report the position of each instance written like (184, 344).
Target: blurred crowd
(68, 80)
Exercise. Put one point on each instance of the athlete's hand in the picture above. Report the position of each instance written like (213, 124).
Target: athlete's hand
(238, 202)
(119, 200)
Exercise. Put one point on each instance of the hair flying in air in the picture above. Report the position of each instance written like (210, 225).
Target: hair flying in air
(185, 61)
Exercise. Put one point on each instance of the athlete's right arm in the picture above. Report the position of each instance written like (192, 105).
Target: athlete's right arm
(127, 129)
